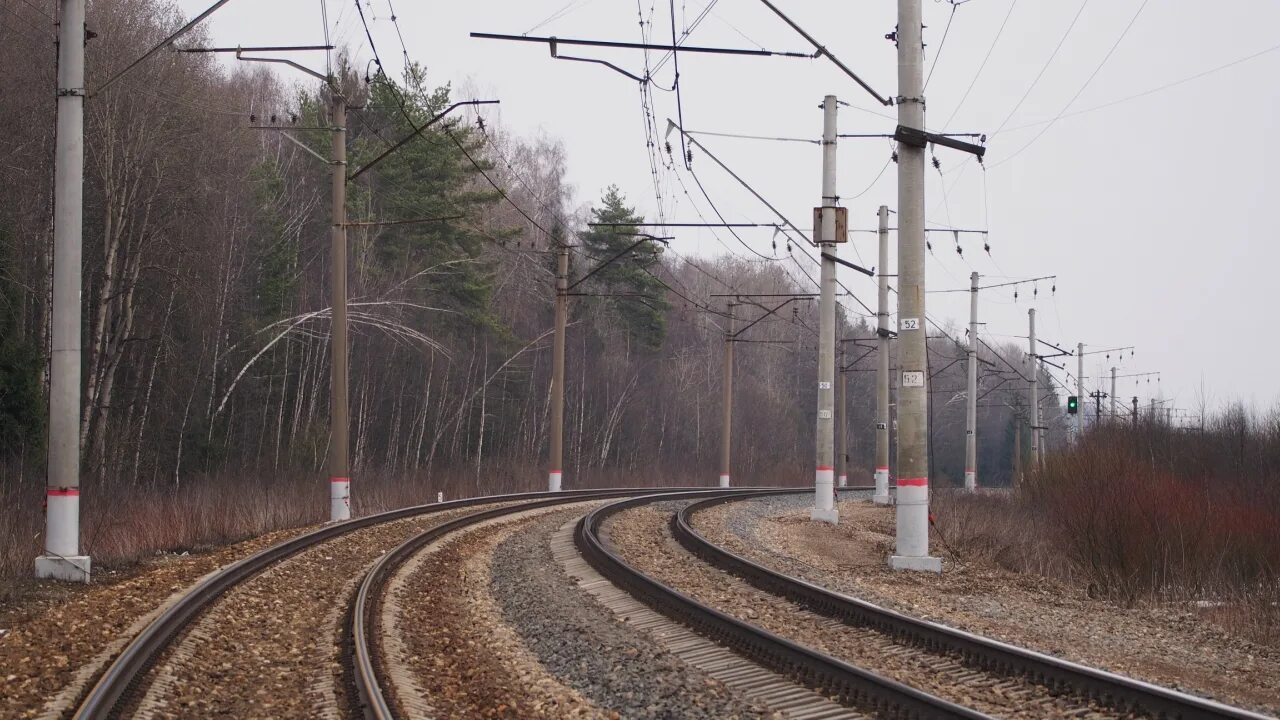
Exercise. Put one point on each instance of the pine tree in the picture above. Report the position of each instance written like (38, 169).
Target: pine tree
(641, 304)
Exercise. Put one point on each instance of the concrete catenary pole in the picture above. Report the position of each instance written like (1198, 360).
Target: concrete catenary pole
(842, 413)
(555, 472)
(971, 392)
(912, 551)
(824, 505)
(62, 558)
(882, 496)
(339, 419)
(1113, 394)
(1079, 391)
(1033, 389)
(726, 419)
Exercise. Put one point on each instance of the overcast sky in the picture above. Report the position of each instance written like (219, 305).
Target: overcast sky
(1152, 211)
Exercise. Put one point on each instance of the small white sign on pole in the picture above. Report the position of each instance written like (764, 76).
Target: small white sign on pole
(912, 378)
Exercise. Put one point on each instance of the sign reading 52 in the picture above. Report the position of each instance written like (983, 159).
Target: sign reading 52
(908, 324)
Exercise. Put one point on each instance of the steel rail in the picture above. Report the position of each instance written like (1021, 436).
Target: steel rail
(367, 662)
(1115, 691)
(102, 700)
(849, 684)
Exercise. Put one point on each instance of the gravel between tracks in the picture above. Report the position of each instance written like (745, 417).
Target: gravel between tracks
(614, 666)
(56, 640)
(463, 657)
(642, 538)
(1166, 646)
(258, 652)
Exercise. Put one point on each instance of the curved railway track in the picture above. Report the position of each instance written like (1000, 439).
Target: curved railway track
(108, 695)
(854, 686)
(966, 656)
(1118, 692)
(850, 684)
(374, 686)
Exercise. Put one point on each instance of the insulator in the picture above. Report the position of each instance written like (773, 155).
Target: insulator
(253, 118)
(1015, 295)
(928, 245)
(273, 119)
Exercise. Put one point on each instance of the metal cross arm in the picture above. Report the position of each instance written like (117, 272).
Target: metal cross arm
(416, 132)
(553, 41)
(921, 138)
(643, 239)
(851, 266)
(768, 312)
(162, 45)
(821, 50)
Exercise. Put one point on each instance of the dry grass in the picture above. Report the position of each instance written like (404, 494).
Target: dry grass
(1151, 513)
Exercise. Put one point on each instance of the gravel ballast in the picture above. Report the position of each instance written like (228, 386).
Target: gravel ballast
(463, 658)
(582, 643)
(1167, 646)
(271, 647)
(58, 638)
(642, 538)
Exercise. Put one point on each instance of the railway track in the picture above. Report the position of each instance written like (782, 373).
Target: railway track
(852, 685)
(977, 664)
(974, 665)
(373, 673)
(118, 684)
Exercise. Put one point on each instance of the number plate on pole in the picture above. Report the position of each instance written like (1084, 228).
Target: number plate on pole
(912, 378)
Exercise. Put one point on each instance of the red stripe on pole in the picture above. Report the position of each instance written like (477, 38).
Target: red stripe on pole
(339, 479)
(557, 472)
(883, 467)
(825, 467)
(65, 492)
(913, 482)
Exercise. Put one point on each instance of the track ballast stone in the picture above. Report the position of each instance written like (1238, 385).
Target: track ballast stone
(586, 647)
(1158, 644)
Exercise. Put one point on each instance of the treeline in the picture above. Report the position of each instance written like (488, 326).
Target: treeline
(206, 313)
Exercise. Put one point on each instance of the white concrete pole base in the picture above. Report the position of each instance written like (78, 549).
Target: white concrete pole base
(882, 496)
(724, 481)
(970, 480)
(62, 559)
(824, 497)
(339, 499)
(918, 564)
(553, 481)
(74, 568)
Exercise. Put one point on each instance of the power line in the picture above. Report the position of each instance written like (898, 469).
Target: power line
(1043, 67)
(941, 44)
(982, 66)
(1150, 91)
(1088, 80)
